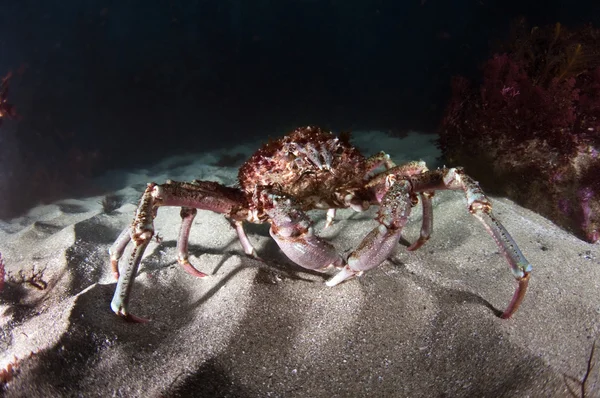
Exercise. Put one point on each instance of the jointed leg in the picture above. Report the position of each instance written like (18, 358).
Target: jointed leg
(245, 242)
(141, 232)
(187, 218)
(480, 206)
(116, 250)
(377, 160)
(520, 267)
(427, 223)
(385, 180)
(189, 196)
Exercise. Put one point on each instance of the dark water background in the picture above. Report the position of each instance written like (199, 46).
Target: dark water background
(112, 84)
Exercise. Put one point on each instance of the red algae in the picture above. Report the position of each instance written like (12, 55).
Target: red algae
(531, 129)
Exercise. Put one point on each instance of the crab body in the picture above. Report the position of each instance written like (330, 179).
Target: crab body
(312, 169)
(315, 168)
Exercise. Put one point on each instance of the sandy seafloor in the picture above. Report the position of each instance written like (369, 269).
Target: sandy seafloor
(423, 324)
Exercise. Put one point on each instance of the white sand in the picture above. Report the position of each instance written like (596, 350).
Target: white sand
(422, 324)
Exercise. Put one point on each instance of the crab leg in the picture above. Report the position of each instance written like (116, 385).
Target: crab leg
(377, 160)
(427, 226)
(384, 181)
(521, 269)
(481, 208)
(187, 218)
(190, 196)
(382, 240)
(245, 242)
(141, 233)
(117, 249)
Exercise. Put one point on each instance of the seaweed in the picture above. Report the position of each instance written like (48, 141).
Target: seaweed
(531, 130)
(582, 386)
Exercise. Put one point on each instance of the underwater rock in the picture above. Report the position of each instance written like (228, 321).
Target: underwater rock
(531, 130)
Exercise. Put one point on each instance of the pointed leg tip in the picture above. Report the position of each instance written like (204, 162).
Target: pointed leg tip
(517, 297)
(189, 268)
(197, 273)
(506, 315)
(117, 307)
(134, 319)
(131, 318)
(414, 246)
(417, 244)
(255, 256)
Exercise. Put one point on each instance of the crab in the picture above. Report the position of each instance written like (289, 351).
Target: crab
(305, 170)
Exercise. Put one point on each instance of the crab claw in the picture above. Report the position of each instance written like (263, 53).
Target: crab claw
(308, 250)
(291, 229)
(342, 275)
(372, 251)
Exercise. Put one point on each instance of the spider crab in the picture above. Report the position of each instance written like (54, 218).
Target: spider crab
(312, 169)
